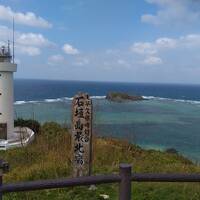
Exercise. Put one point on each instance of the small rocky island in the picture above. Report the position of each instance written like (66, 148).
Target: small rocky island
(120, 97)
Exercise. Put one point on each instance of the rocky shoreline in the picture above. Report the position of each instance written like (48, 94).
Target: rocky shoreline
(120, 97)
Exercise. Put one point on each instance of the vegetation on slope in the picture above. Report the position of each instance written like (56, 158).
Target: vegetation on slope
(49, 157)
(120, 97)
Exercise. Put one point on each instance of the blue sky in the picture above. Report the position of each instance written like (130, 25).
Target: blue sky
(105, 40)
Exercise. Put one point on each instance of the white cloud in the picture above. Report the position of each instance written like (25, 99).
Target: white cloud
(123, 63)
(151, 51)
(166, 43)
(81, 61)
(56, 60)
(181, 12)
(29, 44)
(33, 40)
(29, 50)
(70, 50)
(191, 40)
(143, 48)
(112, 51)
(59, 60)
(29, 18)
(5, 33)
(152, 48)
(152, 60)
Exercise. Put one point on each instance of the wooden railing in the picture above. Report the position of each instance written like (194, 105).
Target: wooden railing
(124, 178)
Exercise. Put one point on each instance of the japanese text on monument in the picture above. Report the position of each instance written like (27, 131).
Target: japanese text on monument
(81, 134)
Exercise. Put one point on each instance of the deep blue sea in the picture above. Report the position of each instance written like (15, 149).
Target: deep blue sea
(170, 118)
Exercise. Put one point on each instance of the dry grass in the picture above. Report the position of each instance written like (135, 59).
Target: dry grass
(50, 157)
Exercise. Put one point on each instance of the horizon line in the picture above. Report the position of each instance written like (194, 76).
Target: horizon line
(101, 81)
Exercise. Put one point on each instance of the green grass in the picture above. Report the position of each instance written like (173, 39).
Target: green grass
(49, 157)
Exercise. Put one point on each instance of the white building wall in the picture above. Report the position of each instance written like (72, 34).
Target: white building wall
(6, 96)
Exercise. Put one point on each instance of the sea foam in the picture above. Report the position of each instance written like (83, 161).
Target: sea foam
(169, 99)
(62, 99)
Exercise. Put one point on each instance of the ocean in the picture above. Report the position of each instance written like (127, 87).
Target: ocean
(170, 118)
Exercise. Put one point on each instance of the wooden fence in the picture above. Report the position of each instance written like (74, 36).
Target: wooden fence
(124, 178)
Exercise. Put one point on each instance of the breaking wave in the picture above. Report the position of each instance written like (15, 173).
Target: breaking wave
(169, 99)
(63, 99)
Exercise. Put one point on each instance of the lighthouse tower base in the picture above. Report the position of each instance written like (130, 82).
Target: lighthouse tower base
(21, 137)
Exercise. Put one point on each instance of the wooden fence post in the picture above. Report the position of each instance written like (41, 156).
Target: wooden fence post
(125, 184)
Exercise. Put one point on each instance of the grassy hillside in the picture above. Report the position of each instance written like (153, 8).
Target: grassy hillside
(49, 157)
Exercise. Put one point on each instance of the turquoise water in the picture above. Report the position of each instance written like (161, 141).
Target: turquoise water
(152, 124)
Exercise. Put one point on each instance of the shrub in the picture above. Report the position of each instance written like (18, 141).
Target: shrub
(52, 130)
(171, 150)
(32, 124)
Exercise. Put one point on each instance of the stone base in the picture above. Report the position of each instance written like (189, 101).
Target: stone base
(22, 136)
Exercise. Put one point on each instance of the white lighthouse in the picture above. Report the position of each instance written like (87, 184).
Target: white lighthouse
(9, 136)
(6, 93)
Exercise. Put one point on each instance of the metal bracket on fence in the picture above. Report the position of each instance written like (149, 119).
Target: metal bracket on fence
(4, 166)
